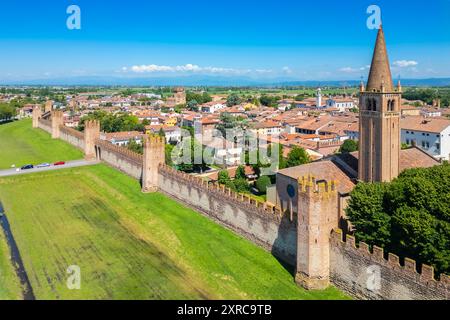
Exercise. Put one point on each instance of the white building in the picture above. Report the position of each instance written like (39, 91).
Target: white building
(212, 107)
(430, 134)
(343, 104)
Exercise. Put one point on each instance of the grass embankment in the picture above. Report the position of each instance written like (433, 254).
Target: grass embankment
(131, 245)
(20, 145)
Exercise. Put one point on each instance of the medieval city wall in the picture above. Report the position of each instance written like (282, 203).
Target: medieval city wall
(72, 136)
(261, 223)
(355, 270)
(45, 125)
(123, 159)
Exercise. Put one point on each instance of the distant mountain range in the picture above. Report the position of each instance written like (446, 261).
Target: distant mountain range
(205, 80)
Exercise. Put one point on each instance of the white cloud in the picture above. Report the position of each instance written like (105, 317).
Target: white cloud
(188, 68)
(354, 70)
(287, 70)
(405, 63)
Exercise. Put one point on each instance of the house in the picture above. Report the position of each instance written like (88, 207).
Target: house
(223, 152)
(430, 134)
(212, 107)
(122, 138)
(172, 133)
(267, 127)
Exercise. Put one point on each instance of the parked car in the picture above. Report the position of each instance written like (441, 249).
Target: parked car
(43, 165)
(59, 163)
(26, 167)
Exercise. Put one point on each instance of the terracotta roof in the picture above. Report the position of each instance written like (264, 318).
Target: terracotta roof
(434, 125)
(122, 135)
(409, 158)
(322, 170)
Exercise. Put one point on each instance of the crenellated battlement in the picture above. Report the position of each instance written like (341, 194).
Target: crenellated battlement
(409, 270)
(154, 141)
(71, 132)
(309, 184)
(223, 192)
(124, 152)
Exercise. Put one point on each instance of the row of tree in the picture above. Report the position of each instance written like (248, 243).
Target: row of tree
(7, 111)
(113, 122)
(409, 216)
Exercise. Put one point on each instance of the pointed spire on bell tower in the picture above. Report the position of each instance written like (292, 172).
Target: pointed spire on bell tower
(380, 71)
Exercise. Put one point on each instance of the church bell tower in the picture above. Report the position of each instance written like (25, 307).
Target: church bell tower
(379, 120)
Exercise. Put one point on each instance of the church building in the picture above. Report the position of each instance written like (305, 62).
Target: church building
(316, 194)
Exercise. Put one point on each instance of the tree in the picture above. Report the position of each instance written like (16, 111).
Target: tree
(192, 105)
(366, 212)
(233, 99)
(223, 177)
(296, 157)
(134, 146)
(262, 183)
(7, 111)
(349, 146)
(409, 216)
(240, 173)
(269, 101)
(241, 185)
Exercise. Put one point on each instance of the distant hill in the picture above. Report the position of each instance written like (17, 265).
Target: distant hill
(207, 80)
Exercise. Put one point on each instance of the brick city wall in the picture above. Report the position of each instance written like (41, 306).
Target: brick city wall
(120, 158)
(355, 269)
(261, 223)
(72, 136)
(45, 125)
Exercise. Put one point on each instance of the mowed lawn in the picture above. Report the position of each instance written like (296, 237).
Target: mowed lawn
(130, 245)
(20, 145)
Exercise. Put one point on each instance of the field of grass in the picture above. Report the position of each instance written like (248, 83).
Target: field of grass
(20, 145)
(9, 284)
(130, 245)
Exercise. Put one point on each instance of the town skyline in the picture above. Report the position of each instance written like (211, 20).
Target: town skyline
(243, 43)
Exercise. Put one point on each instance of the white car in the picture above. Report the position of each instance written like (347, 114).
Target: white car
(43, 165)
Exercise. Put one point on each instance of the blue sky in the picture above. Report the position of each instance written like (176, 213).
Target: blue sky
(302, 40)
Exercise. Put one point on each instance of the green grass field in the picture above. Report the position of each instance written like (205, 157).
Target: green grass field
(20, 145)
(9, 284)
(131, 245)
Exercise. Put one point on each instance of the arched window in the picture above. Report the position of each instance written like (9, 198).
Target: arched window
(391, 105)
(369, 104)
(374, 105)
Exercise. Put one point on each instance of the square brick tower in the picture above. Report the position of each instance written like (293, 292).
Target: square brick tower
(154, 156)
(379, 123)
(91, 134)
(48, 106)
(57, 117)
(317, 217)
(37, 113)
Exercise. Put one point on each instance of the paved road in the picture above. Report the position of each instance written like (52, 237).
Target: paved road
(69, 164)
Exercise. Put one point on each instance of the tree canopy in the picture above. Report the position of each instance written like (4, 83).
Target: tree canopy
(296, 157)
(409, 216)
(349, 146)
